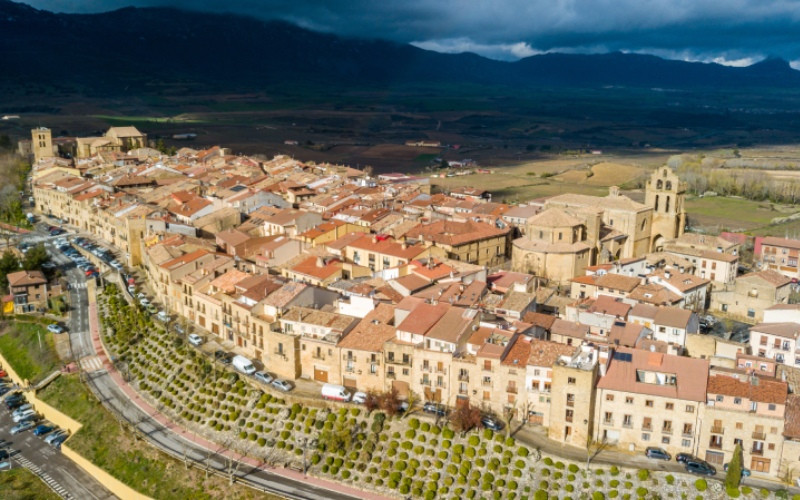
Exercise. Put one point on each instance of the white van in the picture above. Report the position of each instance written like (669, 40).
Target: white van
(243, 365)
(335, 392)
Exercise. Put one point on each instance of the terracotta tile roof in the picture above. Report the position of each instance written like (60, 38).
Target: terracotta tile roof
(422, 318)
(336, 322)
(644, 311)
(791, 426)
(691, 374)
(431, 269)
(607, 202)
(554, 217)
(232, 237)
(625, 334)
(412, 282)
(765, 391)
(318, 267)
(285, 294)
(507, 279)
(545, 353)
(675, 317)
(26, 278)
(372, 332)
(519, 352)
(454, 233)
(540, 319)
(653, 293)
(492, 351)
(682, 281)
(184, 259)
(769, 276)
(611, 306)
(781, 242)
(386, 245)
(569, 329)
(452, 325)
(227, 282)
(788, 330)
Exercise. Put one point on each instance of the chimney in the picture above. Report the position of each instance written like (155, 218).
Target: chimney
(320, 262)
(404, 245)
(374, 239)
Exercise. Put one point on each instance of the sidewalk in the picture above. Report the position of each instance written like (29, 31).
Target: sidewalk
(188, 436)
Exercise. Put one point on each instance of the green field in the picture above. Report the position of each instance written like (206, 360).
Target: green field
(132, 461)
(20, 345)
(22, 484)
(733, 214)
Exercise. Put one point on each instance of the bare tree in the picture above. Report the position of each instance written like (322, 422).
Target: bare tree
(465, 418)
(509, 413)
(593, 448)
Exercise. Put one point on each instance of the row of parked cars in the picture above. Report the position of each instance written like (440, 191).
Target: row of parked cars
(25, 417)
(101, 253)
(691, 463)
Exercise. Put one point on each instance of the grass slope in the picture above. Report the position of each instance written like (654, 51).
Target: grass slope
(106, 444)
(22, 484)
(19, 344)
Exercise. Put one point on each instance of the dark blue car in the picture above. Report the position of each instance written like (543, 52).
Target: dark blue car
(43, 429)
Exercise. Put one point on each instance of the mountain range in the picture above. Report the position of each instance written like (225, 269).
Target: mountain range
(139, 46)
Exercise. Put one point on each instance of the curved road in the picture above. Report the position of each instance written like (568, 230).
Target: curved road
(109, 392)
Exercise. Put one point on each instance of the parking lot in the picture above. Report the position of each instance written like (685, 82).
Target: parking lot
(61, 474)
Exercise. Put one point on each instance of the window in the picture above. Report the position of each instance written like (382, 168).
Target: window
(720, 398)
(665, 440)
(571, 380)
(737, 401)
(773, 430)
(763, 340)
(649, 403)
(608, 418)
(570, 400)
(687, 429)
(609, 397)
(686, 443)
(771, 407)
(667, 427)
(628, 400)
(738, 426)
(569, 415)
(487, 365)
(771, 446)
(669, 406)
(405, 371)
(689, 408)
(751, 313)
(627, 420)
(645, 437)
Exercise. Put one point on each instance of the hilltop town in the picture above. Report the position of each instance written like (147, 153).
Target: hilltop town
(598, 318)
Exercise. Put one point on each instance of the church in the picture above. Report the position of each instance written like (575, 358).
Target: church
(575, 231)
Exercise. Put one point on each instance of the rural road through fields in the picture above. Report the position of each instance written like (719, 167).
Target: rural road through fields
(116, 395)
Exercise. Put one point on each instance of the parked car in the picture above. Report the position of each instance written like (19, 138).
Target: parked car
(263, 377)
(281, 385)
(243, 365)
(359, 398)
(58, 440)
(23, 408)
(489, 422)
(151, 309)
(194, 339)
(4, 390)
(335, 392)
(4, 455)
(657, 453)
(3, 373)
(144, 301)
(18, 417)
(434, 408)
(745, 472)
(53, 435)
(178, 328)
(162, 316)
(22, 426)
(684, 457)
(54, 328)
(700, 467)
(132, 289)
(42, 429)
(223, 357)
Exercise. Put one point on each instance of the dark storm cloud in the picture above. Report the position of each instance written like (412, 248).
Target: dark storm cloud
(724, 30)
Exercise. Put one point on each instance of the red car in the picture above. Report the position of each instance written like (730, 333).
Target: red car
(3, 374)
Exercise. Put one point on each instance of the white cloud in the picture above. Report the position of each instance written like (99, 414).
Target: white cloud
(499, 51)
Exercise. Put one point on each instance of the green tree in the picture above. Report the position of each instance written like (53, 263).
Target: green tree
(8, 264)
(734, 474)
(35, 257)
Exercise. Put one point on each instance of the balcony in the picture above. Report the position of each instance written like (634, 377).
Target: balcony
(463, 377)
(425, 381)
(667, 430)
(568, 418)
(647, 428)
(398, 362)
(758, 452)
(486, 383)
(350, 369)
(512, 389)
(391, 375)
(715, 445)
(608, 421)
(627, 425)
(570, 402)
(717, 430)
(759, 435)
(318, 356)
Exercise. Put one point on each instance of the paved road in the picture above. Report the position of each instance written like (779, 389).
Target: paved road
(57, 471)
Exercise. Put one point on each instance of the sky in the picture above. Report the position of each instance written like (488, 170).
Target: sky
(732, 32)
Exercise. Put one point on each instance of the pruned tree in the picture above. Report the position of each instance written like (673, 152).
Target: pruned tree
(465, 418)
(509, 413)
(373, 401)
